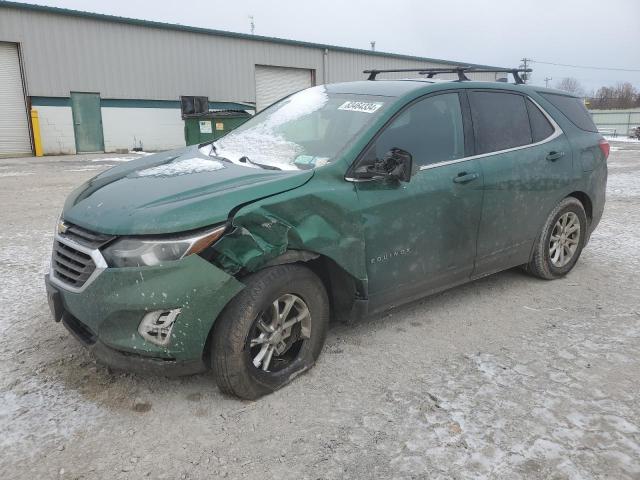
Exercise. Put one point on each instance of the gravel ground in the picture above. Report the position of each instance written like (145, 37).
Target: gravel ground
(506, 377)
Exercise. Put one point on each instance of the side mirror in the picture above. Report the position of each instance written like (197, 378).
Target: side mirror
(396, 164)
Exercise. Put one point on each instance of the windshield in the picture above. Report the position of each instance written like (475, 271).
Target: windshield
(306, 130)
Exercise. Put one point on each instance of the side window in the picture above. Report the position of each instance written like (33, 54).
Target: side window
(574, 109)
(500, 121)
(430, 130)
(540, 126)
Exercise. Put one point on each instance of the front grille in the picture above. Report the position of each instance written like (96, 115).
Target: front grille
(70, 265)
(86, 237)
(73, 253)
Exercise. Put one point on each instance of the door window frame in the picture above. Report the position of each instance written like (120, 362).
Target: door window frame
(469, 133)
(466, 127)
(557, 131)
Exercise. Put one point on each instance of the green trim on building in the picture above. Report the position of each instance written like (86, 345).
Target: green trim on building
(222, 33)
(50, 101)
(130, 103)
(135, 103)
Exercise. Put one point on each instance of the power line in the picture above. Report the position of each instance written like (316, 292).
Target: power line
(587, 66)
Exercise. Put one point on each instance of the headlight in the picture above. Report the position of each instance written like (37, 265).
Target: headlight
(140, 251)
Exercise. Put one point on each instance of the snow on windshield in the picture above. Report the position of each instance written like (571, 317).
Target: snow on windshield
(262, 143)
(182, 167)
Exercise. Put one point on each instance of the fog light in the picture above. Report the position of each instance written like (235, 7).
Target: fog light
(156, 326)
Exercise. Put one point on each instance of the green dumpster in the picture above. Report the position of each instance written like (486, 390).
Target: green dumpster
(204, 127)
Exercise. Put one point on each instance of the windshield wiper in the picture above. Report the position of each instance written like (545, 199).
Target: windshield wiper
(214, 150)
(246, 159)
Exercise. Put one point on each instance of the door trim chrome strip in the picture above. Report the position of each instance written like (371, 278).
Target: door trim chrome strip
(557, 131)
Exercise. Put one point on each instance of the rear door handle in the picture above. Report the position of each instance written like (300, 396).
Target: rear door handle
(465, 177)
(553, 156)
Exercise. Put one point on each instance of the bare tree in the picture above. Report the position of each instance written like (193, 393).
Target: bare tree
(623, 95)
(571, 85)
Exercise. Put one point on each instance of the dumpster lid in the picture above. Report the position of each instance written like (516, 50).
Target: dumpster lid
(219, 114)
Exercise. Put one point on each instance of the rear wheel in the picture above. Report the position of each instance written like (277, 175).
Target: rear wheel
(271, 332)
(561, 241)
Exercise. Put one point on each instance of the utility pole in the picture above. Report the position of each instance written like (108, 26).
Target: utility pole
(525, 64)
(546, 81)
(373, 45)
(252, 24)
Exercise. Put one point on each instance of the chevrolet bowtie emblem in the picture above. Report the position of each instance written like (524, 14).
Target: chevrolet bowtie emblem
(62, 227)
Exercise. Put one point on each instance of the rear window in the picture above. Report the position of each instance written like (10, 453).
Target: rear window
(540, 126)
(574, 109)
(500, 121)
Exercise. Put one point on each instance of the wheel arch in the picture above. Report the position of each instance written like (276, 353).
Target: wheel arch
(583, 198)
(346, 293)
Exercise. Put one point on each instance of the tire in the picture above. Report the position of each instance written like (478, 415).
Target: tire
(251, 317)
(545, 262)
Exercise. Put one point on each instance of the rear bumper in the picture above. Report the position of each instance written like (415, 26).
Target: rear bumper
(599, 194)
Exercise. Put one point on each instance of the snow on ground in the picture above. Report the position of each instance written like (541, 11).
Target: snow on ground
(621, 139)
(505, 378)
(15, 174)
(624, 185)
(36, 412)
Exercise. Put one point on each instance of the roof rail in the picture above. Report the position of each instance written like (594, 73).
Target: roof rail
(432, 72)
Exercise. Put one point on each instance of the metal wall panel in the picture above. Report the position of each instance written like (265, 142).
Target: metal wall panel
(344, 67)
(64, 53)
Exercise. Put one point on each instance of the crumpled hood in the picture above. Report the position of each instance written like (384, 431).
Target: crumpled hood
(171, 192)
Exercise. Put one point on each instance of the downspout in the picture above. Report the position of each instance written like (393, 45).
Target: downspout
(325, 66)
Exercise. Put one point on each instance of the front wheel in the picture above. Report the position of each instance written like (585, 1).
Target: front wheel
(561, 241)
(271, 332)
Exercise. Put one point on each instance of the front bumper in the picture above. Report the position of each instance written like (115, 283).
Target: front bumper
(106, 314)
(121, 360)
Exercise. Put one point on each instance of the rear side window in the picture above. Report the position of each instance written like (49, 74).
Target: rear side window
(500, 121)
(540, 126)
(574, 109)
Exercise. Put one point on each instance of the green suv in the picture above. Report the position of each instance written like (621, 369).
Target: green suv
(336, 202)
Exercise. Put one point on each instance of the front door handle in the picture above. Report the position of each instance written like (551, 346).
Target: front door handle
(465, 177)
(553, 156)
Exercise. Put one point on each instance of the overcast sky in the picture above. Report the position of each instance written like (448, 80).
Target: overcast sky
(600, 33)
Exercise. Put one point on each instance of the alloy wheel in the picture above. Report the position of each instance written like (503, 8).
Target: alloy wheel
(564, 240)
(278, 333)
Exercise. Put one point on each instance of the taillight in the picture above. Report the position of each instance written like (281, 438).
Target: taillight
(604, 146)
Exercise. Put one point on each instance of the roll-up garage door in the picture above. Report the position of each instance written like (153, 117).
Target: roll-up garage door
(14, 126)
(274, 83)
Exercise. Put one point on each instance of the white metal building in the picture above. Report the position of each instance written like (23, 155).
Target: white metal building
(617, 123)
(101, 83)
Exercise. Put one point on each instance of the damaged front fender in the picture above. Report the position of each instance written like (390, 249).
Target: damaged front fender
(319, 217)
